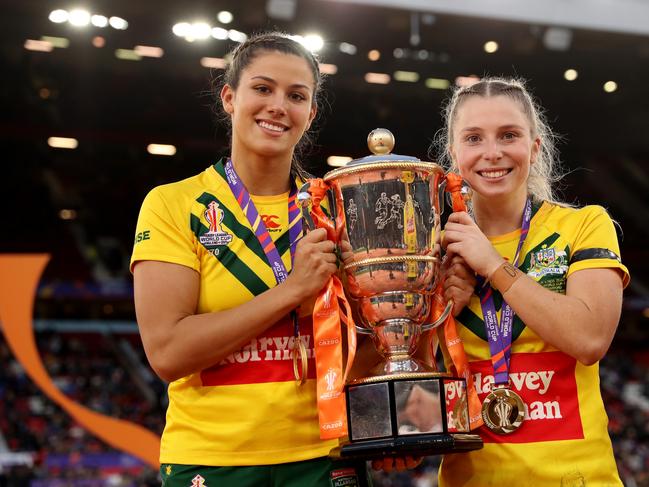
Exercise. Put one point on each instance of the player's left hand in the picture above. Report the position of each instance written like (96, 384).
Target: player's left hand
(399, 464)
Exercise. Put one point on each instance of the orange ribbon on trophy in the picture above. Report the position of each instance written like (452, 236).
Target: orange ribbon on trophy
(331, 307)
(451, 337)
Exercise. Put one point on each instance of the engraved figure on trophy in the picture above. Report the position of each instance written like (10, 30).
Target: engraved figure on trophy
(352, 214)
(396, 210)
(381, 207)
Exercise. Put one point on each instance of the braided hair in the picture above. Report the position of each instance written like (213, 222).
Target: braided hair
(545, 172)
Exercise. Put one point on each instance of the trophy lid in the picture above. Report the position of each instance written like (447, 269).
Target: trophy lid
(381, 142)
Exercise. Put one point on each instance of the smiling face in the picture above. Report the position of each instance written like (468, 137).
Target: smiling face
(271, 107)
(493, 146)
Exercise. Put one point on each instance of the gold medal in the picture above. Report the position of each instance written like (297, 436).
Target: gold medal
(300, 349)
(503, 411)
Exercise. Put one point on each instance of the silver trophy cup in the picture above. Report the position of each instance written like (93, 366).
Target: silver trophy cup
(389, 206)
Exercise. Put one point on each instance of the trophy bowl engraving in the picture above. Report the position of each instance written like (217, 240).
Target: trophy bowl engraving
(388, 208)
(392, 221)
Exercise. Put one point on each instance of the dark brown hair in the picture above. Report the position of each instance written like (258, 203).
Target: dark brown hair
(243, 55)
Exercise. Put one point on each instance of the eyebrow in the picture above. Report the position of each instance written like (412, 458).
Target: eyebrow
(503, 127)
(271, 80)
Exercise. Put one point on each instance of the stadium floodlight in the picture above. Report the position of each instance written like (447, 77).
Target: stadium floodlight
(490, 47)
(59, 16)
(406, 76)
(161, 149)
(466, 80)
(200, 30)
(118, 23)
(610, 86)
(377, 78)
(60, 42)
(437, 83)
(328, 68)
(374, 55)
(41, 46)
(570, 74)
(99, 21)
(225, 17)
(63, 142)
(181, 29)
(127, 55)
(237, 36)
(220, 33)
(348, 48)
(213, 62)
(338, 161)
(79, 17)
(149, 51)
(67, 214)
(313, 42)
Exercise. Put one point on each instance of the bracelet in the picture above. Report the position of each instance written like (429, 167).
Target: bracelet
(504, 277)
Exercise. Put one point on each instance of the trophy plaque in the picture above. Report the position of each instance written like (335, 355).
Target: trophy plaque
(389, 207)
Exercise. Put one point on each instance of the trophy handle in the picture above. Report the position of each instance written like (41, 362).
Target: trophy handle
(363, 331)
(441, 319)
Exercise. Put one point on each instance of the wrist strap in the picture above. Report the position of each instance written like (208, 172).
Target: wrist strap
(504, 277)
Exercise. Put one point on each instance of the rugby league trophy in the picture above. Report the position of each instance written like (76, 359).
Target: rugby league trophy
(388, 208)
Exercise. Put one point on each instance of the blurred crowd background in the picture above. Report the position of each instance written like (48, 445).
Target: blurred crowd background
(101, 101)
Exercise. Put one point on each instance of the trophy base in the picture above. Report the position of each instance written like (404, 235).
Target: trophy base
(416, 446)
(415, 414)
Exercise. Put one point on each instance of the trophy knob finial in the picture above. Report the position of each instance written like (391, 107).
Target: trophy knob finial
(380, 141)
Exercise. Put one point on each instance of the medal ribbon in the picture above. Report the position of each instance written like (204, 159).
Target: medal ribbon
(451, 337)
(270, 250)
(248, 207)
(327, 336)
(500, 337)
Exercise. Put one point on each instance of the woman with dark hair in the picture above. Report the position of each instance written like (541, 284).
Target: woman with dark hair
(224, 287)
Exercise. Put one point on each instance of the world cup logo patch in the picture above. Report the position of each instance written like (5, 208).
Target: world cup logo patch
(215, 234)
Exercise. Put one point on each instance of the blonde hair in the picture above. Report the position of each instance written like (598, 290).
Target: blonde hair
(546, 170)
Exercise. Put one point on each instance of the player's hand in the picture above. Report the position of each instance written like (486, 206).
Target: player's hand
(459, 282)
(464, 238)
(399, 464)
(313, 264)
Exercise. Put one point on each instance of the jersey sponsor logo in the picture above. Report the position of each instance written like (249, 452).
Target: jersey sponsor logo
(270, 221)
(215, 235)
(546, 383)
(344, 477)
(142, 236)
(266, 358)
(547, 261)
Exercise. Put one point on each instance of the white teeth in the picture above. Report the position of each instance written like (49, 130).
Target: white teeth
(493, 174)
(269, 126)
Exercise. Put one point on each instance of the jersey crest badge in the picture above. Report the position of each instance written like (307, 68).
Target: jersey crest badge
(215, 235)
(548, 261)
